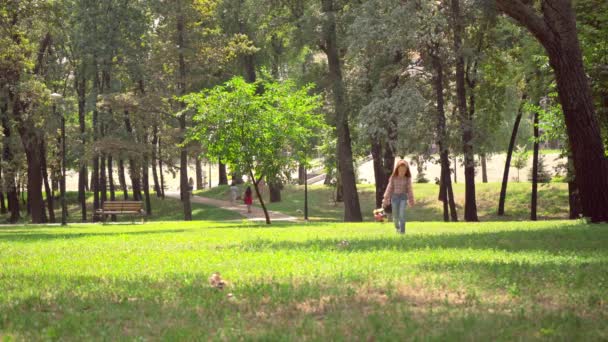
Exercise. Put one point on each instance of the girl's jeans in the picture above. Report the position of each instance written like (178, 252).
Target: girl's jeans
(398, 202)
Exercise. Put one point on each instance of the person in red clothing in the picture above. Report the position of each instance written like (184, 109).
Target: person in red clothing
(248, 199)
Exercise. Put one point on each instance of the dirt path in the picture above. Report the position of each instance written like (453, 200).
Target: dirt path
(257, 214)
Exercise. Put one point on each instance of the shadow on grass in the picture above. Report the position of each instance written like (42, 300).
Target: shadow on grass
(23, 235)
(184, 307)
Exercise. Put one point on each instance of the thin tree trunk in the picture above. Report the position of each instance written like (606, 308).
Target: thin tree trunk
(533, 202)
(2, 203)
(484, 168)
(445, 190)
(257, 191)
(134, 165)
(160, 170)
(376, 150)
(199, 173)
(301, 174)
(80, 85)
(154, 157)
(505, 177)
(122, 179)
(146, 185)
(352, 208)
(111, 183)
(103, 181)
(47, 187)
(181, 86)
(470, 207)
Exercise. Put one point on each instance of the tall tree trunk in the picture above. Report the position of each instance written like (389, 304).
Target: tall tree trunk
(103, 181)
(534, 198)
(259, 195)
(484, 167)
(181, 86)
(146, 185)
(352, 208)
(122, 179)
(445, 190)
(556, 31)
(80, 85)
(223, 178)
(378, 171)
(505, 177)
(199, 173)
(154, 157)
(301, 174)
(134, 165)
(111, 183)
(47, 187)
(466, 123)
(274, 189)
(2, 203)
(95, 175)
(574, 200)
(9, 172)
(160, 169)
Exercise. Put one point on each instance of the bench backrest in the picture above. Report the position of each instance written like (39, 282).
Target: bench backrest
(123, 206)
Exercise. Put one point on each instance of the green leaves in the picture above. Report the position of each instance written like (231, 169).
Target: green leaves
(265, 127)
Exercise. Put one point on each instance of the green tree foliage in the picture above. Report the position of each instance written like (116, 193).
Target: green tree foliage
(259, 132)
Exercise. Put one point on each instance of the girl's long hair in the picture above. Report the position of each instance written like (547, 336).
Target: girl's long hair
(407, 169)
(248, 191)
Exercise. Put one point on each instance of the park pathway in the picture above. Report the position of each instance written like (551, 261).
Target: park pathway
(257, 214)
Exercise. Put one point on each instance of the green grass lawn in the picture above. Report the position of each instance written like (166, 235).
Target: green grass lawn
(552, 201)
(316, 281)
(167, 209)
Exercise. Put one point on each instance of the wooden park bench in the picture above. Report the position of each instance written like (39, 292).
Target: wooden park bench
(120, 208)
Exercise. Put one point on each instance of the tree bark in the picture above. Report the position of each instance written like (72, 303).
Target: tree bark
(199, 173)
(274, 189)
(484, 167)
(160, 170)
(556, 30)
(47, 187)
(181, 86)
(445, 190)
(122, 179)
(378, 171)
(505, 177)
(154, 160)
(466, 124)
(146, 185)
(2, 203)
(111, 183)
(534, 198)
(223, 177)
(301, 174)
(9, 172)
(80, 85)
(352, 208)
(134, 165)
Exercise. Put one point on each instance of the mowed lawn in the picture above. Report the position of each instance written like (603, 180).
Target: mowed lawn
(552, 201)
(317, 281)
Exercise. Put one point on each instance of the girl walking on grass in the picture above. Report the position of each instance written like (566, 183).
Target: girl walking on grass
(398, 192)
(248, 199)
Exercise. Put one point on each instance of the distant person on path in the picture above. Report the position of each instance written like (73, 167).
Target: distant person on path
(233, 192)
(248, 199)
(398, 192)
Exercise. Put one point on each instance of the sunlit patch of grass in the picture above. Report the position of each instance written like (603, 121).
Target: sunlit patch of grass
(321, 281)
(552, 201)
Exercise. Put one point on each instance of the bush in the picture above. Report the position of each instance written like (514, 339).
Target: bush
(544, 176)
